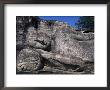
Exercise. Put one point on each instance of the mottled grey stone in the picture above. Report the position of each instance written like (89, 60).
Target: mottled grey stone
(28, 60)
(58, 47)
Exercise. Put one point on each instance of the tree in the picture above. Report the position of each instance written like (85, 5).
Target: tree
(86, 23)
(50, 22)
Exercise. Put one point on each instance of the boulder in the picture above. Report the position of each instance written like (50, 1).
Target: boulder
(38, 40)
(28, 60)
(65, 44)
(61, 58)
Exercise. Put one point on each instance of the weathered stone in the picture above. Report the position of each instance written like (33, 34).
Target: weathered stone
(57, 46)
(65, 44)
(28, 60)
(37, 40)
(22, 24)
(61, 58)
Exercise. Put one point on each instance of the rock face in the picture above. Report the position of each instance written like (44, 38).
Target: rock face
(67, 44)
(22, 24)
(37, 40)
(52, 47)
(28, 60)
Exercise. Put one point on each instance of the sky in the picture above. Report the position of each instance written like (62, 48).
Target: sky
(71, 20)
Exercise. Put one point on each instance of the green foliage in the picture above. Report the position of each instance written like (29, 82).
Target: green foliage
(86, 23)
(50, 22)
